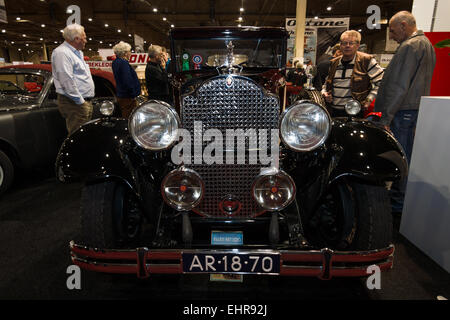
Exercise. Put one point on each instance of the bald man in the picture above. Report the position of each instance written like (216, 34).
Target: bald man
(405, 81)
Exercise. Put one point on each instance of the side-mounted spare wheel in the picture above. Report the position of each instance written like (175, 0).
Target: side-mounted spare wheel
(6, 172)
(353, 216)
(110, 215)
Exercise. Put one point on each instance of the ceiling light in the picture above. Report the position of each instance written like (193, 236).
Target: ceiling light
(43, 25)
(41, 39)
(90, 19)
(155, 10)
(241, 9)
(61, 30)
(12, 42)
(24, 35)
(20, 49)
(119, 30)
(56, 41)
(18, 18)
(172, 26)
(240, 18)
(129, 34)
(26, 44)
(239, 25)
(316, 17)
(110, 45)
(101, 41)
(69, 11)
(164, 18)
(329, 8)
(106, 25)
(90, 39)
(3, 30)
(359, 30)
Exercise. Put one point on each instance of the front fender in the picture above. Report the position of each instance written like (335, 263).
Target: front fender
(366, 151)
(96, 150)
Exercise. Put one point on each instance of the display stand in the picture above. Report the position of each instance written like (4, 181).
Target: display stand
(426, 212)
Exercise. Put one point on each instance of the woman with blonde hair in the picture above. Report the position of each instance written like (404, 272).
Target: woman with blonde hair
(128, 86)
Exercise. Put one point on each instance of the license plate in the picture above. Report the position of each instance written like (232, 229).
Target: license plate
(231, 262)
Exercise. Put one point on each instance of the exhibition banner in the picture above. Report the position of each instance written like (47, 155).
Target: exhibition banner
(327, 34)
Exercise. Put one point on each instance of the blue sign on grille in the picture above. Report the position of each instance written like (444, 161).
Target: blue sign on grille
(227, 238)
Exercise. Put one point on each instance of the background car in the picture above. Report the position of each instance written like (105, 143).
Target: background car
(31, 127)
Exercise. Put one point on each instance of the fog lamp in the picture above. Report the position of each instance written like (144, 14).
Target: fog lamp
(352, 107)
(273, 190)
(107, 108)
(182, 189)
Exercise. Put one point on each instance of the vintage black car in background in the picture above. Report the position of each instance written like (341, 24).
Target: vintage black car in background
(322, 211)
(31, 127)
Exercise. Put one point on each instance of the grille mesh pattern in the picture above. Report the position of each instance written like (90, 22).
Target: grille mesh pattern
(241, 105)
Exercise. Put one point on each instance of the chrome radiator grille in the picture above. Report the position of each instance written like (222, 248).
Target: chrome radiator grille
(229, 102)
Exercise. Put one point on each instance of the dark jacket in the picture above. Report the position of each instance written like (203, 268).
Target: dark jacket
(407, 78)
(157, 82)
(127, 82)
(297, 77)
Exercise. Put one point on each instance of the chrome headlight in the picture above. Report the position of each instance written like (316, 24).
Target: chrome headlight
(182, 189)
(154, 125)
(352, 107)
(107, 108)
(305, 126)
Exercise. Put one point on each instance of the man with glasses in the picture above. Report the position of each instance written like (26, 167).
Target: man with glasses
(354, 75)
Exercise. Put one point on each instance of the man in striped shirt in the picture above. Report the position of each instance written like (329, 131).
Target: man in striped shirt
(354, 75)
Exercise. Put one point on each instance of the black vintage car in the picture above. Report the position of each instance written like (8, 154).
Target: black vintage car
(31, 127)
(195, 187)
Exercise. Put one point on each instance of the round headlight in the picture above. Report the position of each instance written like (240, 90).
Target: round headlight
(305, 126)
(154, 125)
(107, 108)
(182, 189)
(274, 191)
(352, 107)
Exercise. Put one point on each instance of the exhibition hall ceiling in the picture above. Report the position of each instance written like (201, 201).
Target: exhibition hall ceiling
(34, 22)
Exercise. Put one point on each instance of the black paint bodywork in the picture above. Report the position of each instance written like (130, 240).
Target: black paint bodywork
(356, 148)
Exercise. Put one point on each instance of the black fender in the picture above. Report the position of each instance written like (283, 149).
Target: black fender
(366, 151)
(97, 150)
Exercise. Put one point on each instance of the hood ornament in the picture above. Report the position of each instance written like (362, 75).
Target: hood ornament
(230, 58)
(229, 66)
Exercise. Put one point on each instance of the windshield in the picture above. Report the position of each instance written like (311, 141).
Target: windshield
(21, 83)
(205, 53)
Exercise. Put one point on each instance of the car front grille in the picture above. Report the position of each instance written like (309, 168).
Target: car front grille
(229, 102)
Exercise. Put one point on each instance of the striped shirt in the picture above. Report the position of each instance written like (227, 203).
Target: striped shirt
(341, 91)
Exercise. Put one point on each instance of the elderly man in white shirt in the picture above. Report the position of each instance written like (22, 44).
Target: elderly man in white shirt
(72, 78)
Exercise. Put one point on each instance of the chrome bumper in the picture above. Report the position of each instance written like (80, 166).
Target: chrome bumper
(143, 262)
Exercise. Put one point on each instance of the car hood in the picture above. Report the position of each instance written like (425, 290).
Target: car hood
(13, 101)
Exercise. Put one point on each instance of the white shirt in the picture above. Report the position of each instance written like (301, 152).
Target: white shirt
(71, 73)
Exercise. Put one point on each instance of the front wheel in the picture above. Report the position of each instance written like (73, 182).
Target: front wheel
(110, 215)
(6, 172)
(352, 216)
